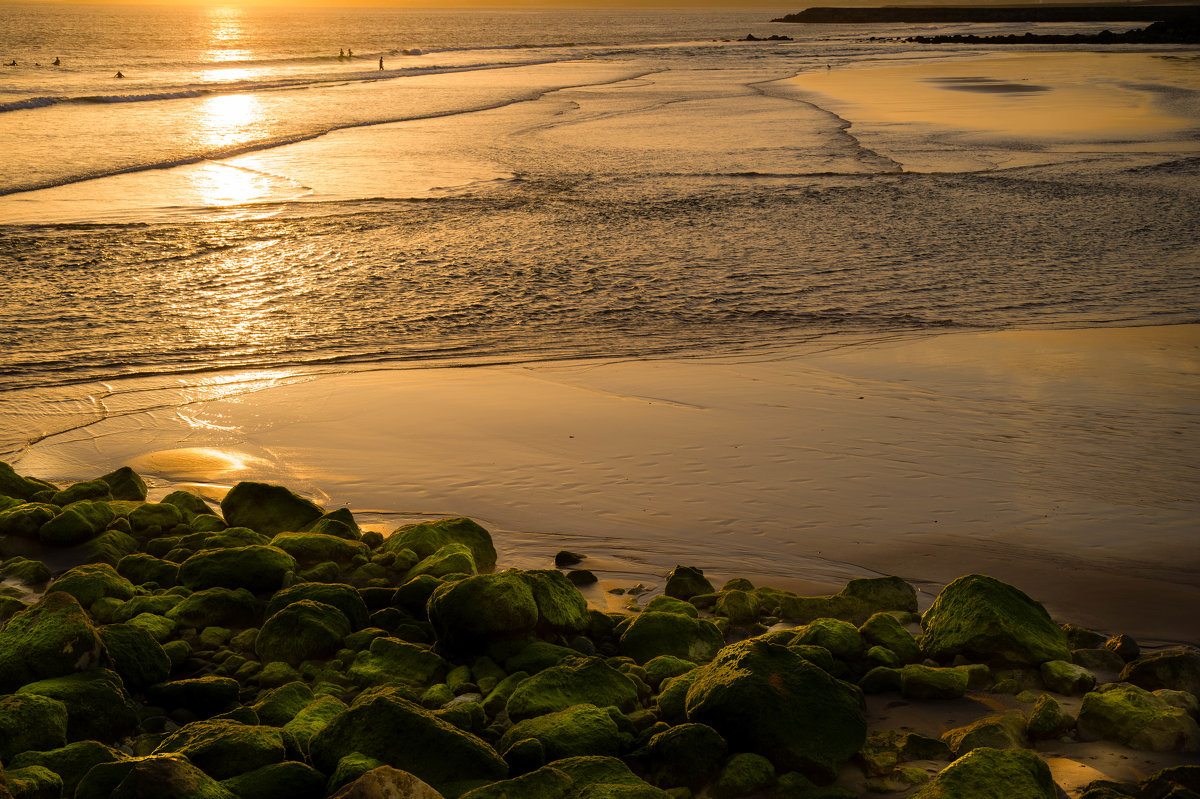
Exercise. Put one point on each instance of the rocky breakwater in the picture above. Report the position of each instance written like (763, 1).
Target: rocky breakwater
(272, 649)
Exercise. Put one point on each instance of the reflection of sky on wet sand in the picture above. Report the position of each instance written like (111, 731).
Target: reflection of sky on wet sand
(1104, 96)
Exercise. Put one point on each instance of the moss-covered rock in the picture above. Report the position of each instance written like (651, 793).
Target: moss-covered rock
(30, 722)
(988, 621)
(160, 627)
(109, 547)
(883, 629)
(312, 548)
(92, 581)
(76, 523)
(224, 749)
(743, 774)
(136, 656)
(923, 682)
(26, 571)
(277, 706)
(992, 774)
(579, 730)
(341, 596)
(1176, 668)
(226, 607)
(153, 519)
(190, 505)
(665, 667)
(289, 779)
(450, 559)
(204, 696)
(301, 631)
(562, 610)
(686, 755)
(575, 681)
(258, 569)
(858, 601)
(652, 634)
(804, 720)
(140, 568)
(70, 762)
(1001, 731)
(685, 582)
(471, 615)
(740, 607)
(32, 782)
(158, 776)
(52, 638)
(393, 661)
(24, 521)
(313, 718)
(1135, 717)
(14, 485)
(841, 638)
(1067, 678)
(83, 491)
(98, 706)
(426, 538)
(125, 483)
(669, 604)
(402, 734)
(268, 509)
(1048, 720)
(542, 783)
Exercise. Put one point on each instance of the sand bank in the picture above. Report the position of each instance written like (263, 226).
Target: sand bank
(1061, 461)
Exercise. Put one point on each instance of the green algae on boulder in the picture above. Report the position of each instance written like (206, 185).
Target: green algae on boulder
(402, 734)
(30, 721)
(52, 638)
(204, 696)
(258, 569)
(90, 582)
(190, 505)
(14, 485)
(71, 762)
(1067, 678)
(125, 483)
(289, 779)
(685, 582)
(655, 633)
(470, 615)
(578, 730)
(883, 629)
(923, 682)
(76, 523)
(98, 706)
(1135, 717)
(268, 509)
(86, 490)
(26, 571)
(385, 781)
(312, 548)
(224, 749)
(562, 610)
(1048, 719)
(230, 607)
(841, 638)
(341, 596)
(1002, 731)
(301, 631)
(686, 755)
(157, 776)
(450, 559)
(992, 774)
(153, 519)
(988, 621)
(393, 661)
(858, 601)
(574, 681)
(426, 538)
(313, 718)
(804, 719)
(140, 568)
(1175, 668)
(136, 656)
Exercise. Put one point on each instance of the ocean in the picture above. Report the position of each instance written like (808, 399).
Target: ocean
(520, 185)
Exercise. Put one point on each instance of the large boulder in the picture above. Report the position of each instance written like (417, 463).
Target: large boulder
(578, 730)
(140, 568)
(224, 748)
(303, 630)
(258, 569)
(471, 615)
(1139, 719)
(992, 774)
(450, 559)
(24, 521)
(764, 698)
(153, 519)
(99, 708)
(386, 781)
(93, 581)
(30, 722)
(574, 681)
(136, 656)
(686, 755)
(14, 485)
(86, 490)
(426, 538)
(1000, 731)
(168, 776)
(309, 549)
(313, 718)
(204, 696)
(52, 638)
(857, 602)
(655, 633)
(402, 734)
(1176, 668)
(685, 582)
(289, 779)
(190, 505)
(988, 621)
(562, 610)
(391, 661)
(268, 509)
(343, 597)
(882, 629)
(126, 484)
(70, 762)
(76, 523)
(216, 607)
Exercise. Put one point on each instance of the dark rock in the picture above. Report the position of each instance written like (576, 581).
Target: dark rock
(1177, 668)
(204, 696)
(685, 582)
(386, 782)
(686, 755)
(341, 596)
(70, 762)
(52, 638)
(302, 630)
(567, 558)
(224, 749)
(427, 538)
(578, 730)
(992, 774)
(268, 509)
(126, 484)
(988, 621)
(1137, 718)
(29, 721)
(804, 720)
(136, 656)
(581, 577)
(655, 633)
(574, 681)
(289, 779)
(154, 777)
(98, 706)
(258, 569)
(1002, 731)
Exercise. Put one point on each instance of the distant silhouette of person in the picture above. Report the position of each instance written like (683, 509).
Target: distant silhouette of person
(341, 53)
(57, 63)
(349, 54)
(119, 75)
(380, 62)
(12, 63)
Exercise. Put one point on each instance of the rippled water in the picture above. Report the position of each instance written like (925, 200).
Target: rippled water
(637, 186)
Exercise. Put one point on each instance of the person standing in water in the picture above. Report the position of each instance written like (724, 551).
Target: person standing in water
(57, 62)
(381, 63)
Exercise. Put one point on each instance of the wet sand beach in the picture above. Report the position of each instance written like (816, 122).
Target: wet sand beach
(1060, 461)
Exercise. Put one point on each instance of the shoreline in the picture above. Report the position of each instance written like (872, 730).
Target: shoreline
(1056, 460)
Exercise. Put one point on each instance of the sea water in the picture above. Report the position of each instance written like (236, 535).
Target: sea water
(256, 191)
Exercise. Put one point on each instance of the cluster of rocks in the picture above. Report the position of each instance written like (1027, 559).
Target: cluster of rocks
(1181, 30)
(276, 650)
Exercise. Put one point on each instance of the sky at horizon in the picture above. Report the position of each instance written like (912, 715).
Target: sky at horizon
(791, 6)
